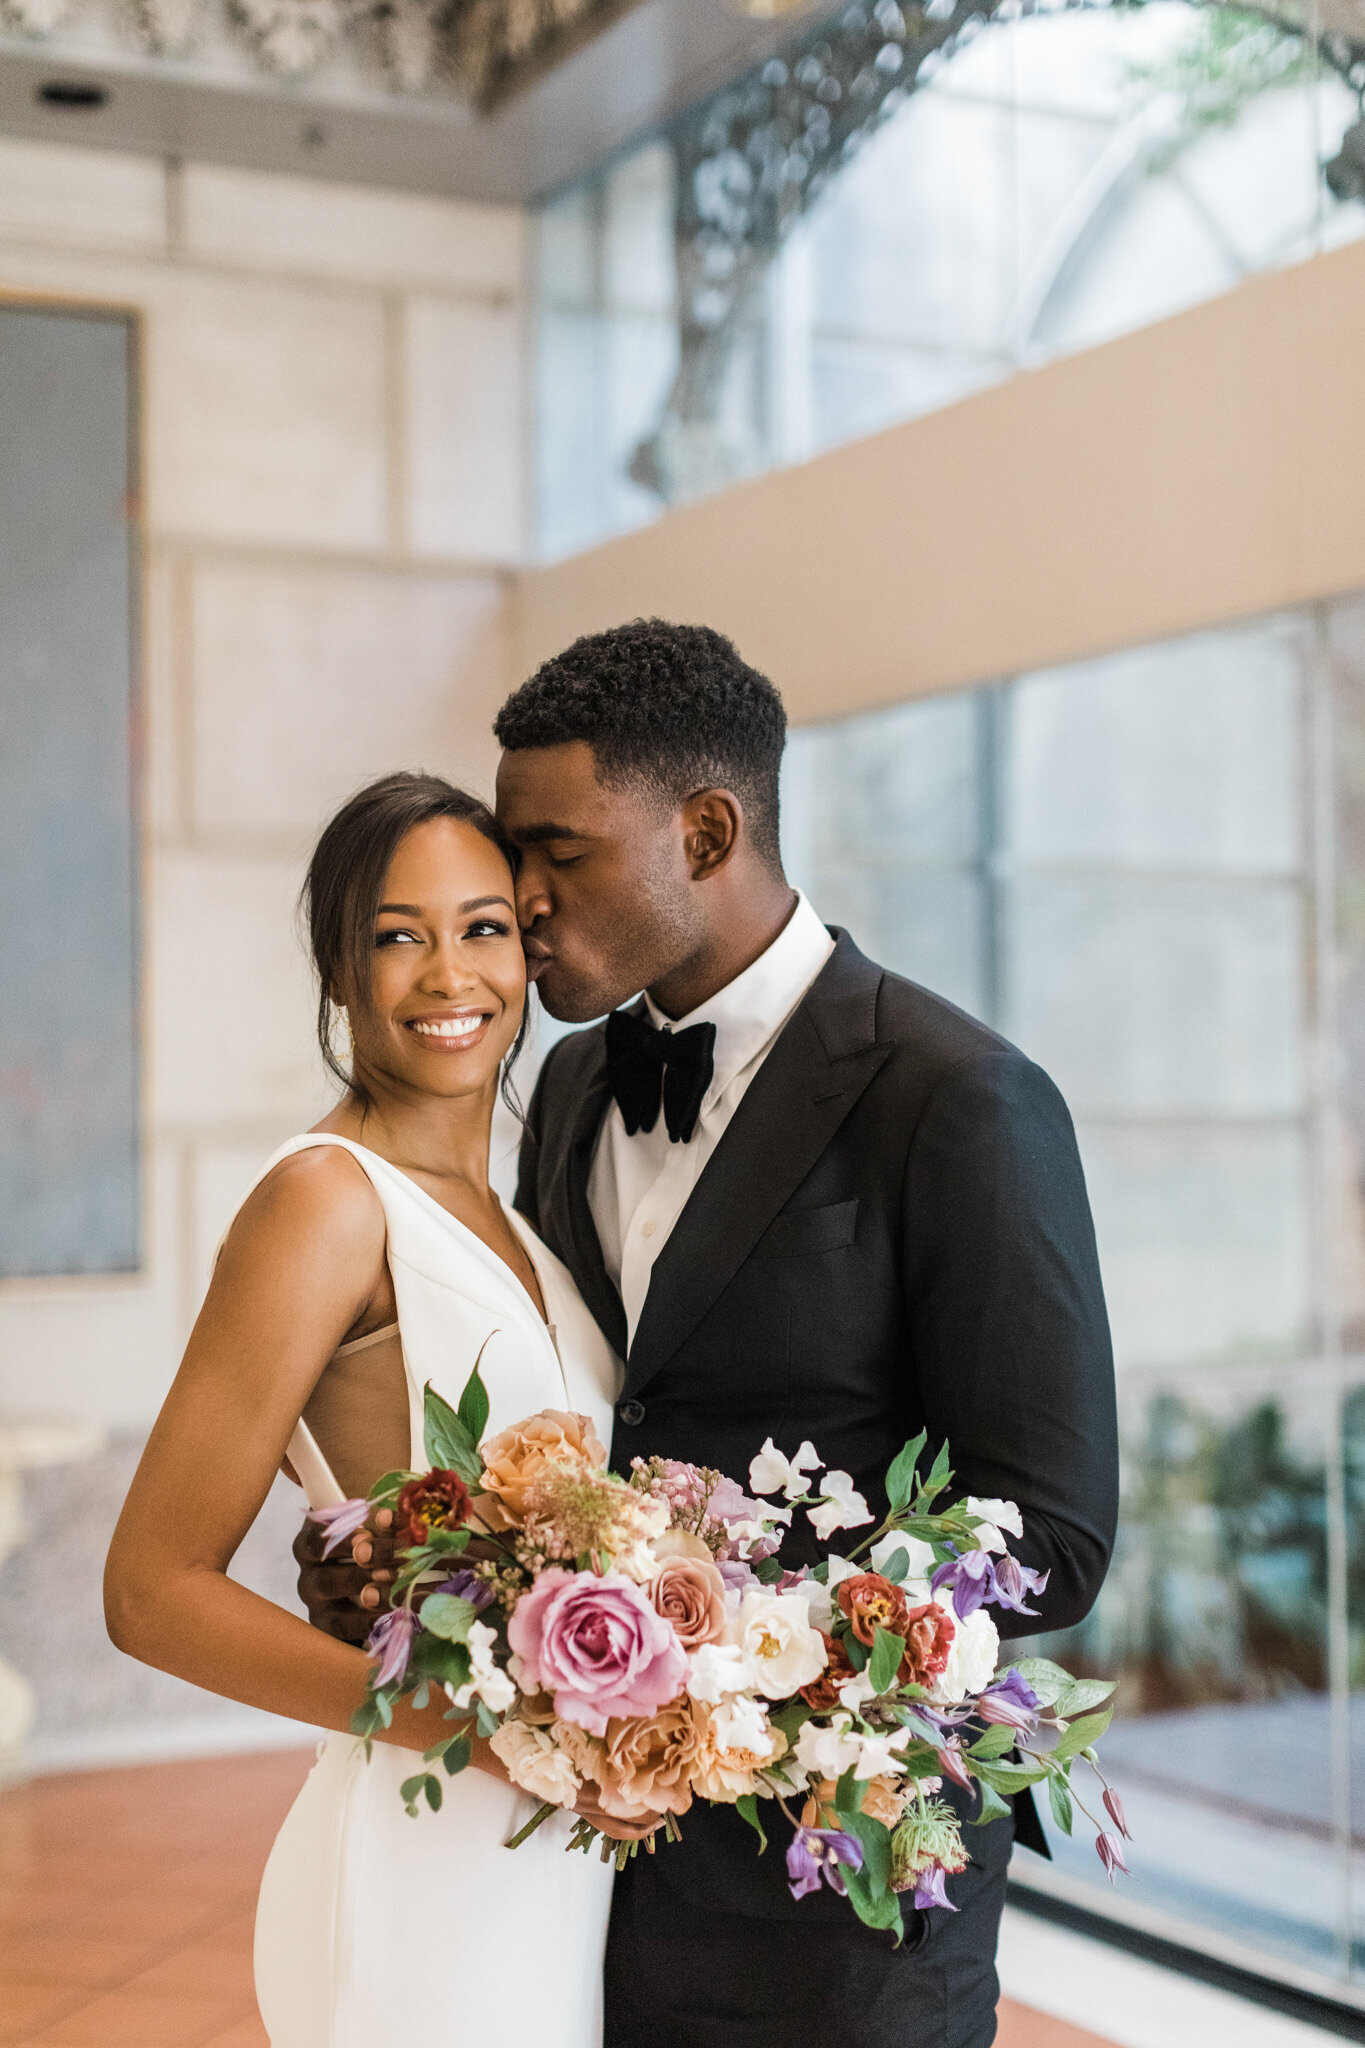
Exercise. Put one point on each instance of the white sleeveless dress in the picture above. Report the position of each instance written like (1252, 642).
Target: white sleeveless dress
(374, 1929)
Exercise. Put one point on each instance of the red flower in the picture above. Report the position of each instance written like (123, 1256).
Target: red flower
(872, 1602)
(822, 1693)
(929, 1636)
(437, 1501)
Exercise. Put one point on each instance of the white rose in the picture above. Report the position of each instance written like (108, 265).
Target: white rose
(783, 1651)
(972, 1659)
(536, 1763)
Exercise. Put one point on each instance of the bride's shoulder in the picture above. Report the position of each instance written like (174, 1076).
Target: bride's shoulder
(318, 1191)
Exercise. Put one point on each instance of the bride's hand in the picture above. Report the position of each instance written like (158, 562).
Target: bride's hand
(587, 1808)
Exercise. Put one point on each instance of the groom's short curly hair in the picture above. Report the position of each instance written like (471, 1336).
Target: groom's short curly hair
(671, 707)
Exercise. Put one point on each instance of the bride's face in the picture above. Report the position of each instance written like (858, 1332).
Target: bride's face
(448, 975)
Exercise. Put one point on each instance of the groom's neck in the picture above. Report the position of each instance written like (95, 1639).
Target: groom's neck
(745, 916)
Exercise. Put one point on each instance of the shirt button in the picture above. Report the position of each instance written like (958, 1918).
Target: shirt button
(648, 1229)
(632, 1413)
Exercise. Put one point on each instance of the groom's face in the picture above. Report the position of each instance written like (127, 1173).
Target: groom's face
(605, 894)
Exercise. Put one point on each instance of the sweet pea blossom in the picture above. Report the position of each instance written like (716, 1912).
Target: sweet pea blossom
(842, 1506)
(390, 1640)
(999, 1518)
(486, 1681)
(783, 1651)
(770, 1472)
(717, 1671)
(877, 1756)
(829, 1752)
(339, 1522)
(820, 1852)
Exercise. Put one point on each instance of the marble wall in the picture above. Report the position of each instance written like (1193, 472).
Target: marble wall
(334, 484)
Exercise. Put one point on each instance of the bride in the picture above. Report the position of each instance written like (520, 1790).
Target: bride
(370, 1257)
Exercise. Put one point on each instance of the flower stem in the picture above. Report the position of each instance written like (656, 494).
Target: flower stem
(543, 1814)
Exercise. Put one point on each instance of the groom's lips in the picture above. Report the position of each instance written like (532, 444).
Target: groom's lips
(538, 958)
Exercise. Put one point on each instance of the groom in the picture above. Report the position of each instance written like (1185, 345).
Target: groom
(803, 1198)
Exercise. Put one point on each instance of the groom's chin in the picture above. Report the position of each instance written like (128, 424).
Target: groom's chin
(567, 1001)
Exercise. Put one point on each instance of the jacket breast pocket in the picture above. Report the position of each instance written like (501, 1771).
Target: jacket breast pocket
(802, 1232)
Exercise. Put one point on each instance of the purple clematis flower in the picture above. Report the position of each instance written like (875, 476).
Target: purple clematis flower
(1110, 1852)
(1012, 1581)
(464, 1586)
(972, 1578)
(390, 1640)
(931, 1889)
(952, 1766)
(820, 1852)
(1010, 1703)
(339, 1522)
(1114, 1808)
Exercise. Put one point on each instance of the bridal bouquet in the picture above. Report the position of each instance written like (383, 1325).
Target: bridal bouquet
(639, 1636)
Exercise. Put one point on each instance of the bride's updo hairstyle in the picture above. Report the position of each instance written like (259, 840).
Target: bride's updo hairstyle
(345, 881)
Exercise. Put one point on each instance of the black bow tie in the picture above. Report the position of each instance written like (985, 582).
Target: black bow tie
(644, 1065)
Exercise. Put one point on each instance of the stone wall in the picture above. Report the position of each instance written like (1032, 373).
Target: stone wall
(332, 434)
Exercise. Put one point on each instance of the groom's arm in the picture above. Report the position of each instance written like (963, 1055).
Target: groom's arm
(1010, 1339)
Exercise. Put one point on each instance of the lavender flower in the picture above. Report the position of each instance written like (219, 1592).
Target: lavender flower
(339, 1522)
(1114, 1808)
(1010, 1702)
(1110, 1852)
(390, 1640)
(931, 1889)
(819, 1852)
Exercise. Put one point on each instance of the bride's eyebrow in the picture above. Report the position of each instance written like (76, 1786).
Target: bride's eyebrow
(415, 909)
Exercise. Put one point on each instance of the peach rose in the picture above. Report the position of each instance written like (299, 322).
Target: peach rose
(646, 1765)
(514, 1457)
(690, 1593)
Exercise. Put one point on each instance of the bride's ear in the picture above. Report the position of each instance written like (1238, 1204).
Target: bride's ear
(713, 821)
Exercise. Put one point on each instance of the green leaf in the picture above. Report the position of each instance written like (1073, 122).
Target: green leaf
(993, 1807)
(421, 1699)
(768, 1570)
(876, 1841)
(848, 1795)
(446, 1441)
(447, 1663)
(1060, 1800)
(1008, 1779)
(448, 1616)
(939, 1476)
(791, 1719)
(458, 1751)
(389, 1486)
(473, 1411)
(995, 1742)
(1082, 1734)
(858, 1653)
(1082, 1695)
(1048, 1680)
(886, 1660)
(747, 1809)
(900, 1478)
(486, 1721)
(434, 1791)
(448, 1542)
(412, 1789)
(875, 1909)
(897, 1565)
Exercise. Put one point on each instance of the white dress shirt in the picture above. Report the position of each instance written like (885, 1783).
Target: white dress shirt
(639, 1186)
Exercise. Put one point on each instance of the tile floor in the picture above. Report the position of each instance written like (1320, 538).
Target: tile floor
(126, 1901)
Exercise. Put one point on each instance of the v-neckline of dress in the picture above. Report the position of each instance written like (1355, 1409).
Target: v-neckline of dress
(449, 1216)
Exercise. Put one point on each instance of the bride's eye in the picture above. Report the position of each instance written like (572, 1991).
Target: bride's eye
(488, 928)
(395, 938)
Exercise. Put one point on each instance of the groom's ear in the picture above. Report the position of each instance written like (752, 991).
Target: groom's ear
(713, 821)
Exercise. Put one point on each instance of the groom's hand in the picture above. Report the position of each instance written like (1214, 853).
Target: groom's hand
(344, 1594)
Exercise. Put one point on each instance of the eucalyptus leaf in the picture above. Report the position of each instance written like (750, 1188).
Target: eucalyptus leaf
(448, 1616)
(457, 1754)
(886, 1660)
(435, 1794)
(486, 1721)
(900, 1478)
(897, 1565)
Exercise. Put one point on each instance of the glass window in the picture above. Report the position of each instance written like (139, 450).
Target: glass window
(1131, 867)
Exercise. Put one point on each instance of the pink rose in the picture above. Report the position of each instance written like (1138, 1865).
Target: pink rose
(598, 1646)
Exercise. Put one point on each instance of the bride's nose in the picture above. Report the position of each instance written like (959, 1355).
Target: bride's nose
(448, 974)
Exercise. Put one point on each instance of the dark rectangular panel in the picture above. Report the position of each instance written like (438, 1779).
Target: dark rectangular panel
(69, 1136)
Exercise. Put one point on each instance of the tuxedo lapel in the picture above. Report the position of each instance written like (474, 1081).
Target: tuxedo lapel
(819, 1066)
(568, 1198)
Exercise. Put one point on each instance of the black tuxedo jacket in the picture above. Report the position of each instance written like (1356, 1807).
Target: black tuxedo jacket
(892, 1234)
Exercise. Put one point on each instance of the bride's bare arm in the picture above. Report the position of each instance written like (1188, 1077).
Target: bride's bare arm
(301, 1264)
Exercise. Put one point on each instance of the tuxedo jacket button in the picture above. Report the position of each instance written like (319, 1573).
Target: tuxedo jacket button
(632, 1413)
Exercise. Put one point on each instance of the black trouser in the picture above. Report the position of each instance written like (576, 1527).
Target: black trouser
(680, 1975)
